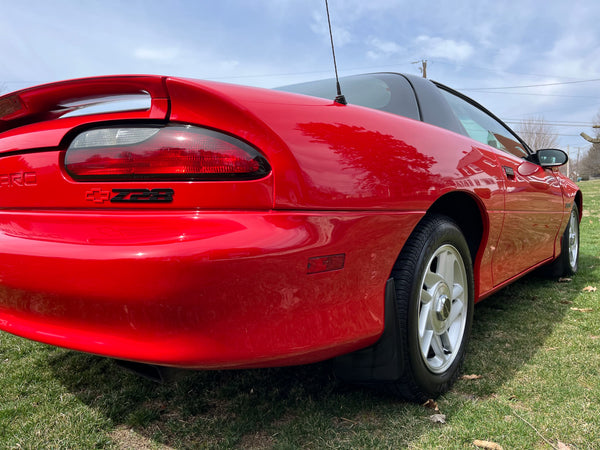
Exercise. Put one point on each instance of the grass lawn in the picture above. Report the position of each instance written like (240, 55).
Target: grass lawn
(535, 350)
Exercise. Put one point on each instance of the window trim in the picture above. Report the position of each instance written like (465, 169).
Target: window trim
(486, 111)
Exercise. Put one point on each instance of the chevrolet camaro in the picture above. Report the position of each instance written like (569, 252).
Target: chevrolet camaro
(173, 222)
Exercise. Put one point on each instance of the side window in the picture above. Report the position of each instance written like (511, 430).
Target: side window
(385, 92)
(484, 128)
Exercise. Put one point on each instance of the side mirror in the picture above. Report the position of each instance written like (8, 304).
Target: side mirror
(549, 157)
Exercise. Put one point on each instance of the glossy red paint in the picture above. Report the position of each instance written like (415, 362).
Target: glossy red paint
(197, 289)
(67, 194)
(218, 277)
(534, 213)
(51, 101)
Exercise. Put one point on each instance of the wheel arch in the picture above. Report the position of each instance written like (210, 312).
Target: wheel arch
(384, 362)
(579, 203)
(468, 214)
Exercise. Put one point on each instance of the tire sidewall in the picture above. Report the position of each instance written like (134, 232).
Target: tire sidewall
(445, 232)
(565, 250)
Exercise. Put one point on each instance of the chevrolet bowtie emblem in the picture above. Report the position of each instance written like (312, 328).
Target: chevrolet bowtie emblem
(97, 195)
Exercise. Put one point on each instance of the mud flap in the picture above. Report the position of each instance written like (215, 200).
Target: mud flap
(381, 361)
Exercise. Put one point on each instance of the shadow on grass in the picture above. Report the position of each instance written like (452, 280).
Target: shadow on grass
(294, 406)
(305, 406)
(511, 326)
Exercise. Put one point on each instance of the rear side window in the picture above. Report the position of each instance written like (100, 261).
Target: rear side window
(386, 92)
(482, 127)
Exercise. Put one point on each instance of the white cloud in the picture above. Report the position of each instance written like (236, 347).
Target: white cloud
(228, 65)
(575, 55)
(382, 49)
(507, 57)
(484, 33)
(385, 46)
(435, 47)
(155, 54)
(319, 25)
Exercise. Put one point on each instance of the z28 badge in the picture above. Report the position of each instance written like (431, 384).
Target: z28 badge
(99, 195)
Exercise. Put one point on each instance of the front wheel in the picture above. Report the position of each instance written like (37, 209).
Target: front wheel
(434, 303)
(571, 242)
(567, 262)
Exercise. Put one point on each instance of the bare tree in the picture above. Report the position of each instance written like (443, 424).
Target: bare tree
(537, 133)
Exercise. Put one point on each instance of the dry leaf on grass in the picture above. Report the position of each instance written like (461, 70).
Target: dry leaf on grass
(348, 420)
(566, 302)
(438, 418)
(589, 289)
(431, 404)
(565, 280)
(582, 309)
(471, 377)
(487, 444)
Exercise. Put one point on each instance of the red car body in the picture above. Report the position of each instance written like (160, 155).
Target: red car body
(287, 268)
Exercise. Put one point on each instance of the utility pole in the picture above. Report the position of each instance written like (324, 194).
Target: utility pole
(423, 68)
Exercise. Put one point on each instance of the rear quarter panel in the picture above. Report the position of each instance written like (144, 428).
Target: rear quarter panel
(335, 157)
(327, 156)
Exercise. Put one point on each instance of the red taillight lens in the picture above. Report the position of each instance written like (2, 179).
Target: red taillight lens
(169, 153)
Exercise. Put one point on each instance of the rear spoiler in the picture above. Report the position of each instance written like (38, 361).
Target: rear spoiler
(51, 101)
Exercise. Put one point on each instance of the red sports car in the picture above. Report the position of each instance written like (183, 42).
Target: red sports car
(204, 225)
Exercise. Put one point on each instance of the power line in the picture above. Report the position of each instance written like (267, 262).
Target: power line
(587, 97)
(481, 89)
(496, 71)
(552, 124)
(549, 134)
(531, 85)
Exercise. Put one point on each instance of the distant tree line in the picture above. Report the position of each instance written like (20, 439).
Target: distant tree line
(538, 134)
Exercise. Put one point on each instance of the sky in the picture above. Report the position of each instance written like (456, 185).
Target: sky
(525, 59)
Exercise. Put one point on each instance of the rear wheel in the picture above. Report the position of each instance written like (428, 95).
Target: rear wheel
(434, 303)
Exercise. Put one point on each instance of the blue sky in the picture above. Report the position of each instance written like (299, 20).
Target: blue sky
(487, 50)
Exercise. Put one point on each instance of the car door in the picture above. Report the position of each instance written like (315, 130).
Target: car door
(533, 201)
(532, 218)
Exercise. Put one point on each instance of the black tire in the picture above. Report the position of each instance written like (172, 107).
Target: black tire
(434, 318)
(567, 262)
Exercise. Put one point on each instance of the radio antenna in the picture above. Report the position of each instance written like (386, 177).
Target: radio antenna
(339, 97)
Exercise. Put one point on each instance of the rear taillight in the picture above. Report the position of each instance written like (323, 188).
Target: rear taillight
(131, 153)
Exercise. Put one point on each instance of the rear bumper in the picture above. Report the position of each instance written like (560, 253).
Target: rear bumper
(198, 289)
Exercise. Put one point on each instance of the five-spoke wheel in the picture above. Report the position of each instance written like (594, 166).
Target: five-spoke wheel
(442, 310)
(434, 304)
(572, 237)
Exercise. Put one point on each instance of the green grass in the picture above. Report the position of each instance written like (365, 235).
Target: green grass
(538, 358)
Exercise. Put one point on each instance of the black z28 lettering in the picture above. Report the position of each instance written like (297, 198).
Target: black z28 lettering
(142, 196)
